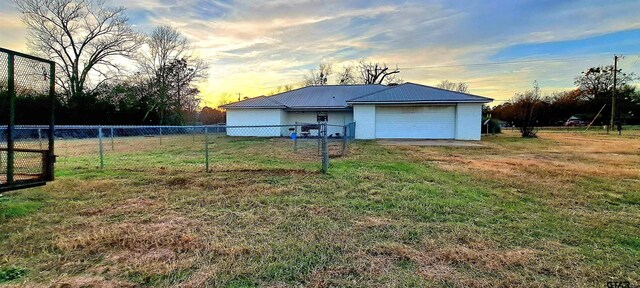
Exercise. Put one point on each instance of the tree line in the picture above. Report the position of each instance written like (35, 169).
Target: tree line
(88, 42)
(590, 101)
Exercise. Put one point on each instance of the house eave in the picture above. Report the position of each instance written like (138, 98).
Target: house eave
(315, 108)
(252, 107)
(415, 102)
(320, 108)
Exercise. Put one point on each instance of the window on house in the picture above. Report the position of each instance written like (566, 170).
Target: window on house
(323, 117)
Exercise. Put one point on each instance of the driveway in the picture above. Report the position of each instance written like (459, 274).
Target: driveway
(429, 142)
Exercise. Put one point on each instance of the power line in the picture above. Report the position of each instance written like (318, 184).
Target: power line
(504, 62)
(594, 56)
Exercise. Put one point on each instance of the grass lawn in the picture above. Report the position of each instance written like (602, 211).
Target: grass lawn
(563, 209)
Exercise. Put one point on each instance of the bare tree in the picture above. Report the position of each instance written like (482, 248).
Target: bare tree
(162, 46)
(281, 89)
(453, 86)
(320, 76)
(375, 73)
(83, 37)
(392, 80)
(346, 77)
(527, 106)
(224, 99)
(287, 87)
(167, 61)
(597, 82)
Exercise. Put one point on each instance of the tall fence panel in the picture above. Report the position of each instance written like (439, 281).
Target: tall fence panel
(4, 120)
(212, 148)
(25, 161)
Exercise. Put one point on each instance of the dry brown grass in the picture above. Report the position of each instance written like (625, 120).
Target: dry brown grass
(554, 162)
(451, 263)
(567, 156)
(514, 213)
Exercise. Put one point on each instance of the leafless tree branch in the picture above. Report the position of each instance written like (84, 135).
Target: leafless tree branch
(320, 76)
(82, 36)
(375, 73)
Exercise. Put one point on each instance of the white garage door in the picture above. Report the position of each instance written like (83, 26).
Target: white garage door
(422, 122)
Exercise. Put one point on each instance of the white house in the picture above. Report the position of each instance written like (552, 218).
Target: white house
(408, 110)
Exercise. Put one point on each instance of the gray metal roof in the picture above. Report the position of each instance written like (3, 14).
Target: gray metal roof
(416, 93)
(327, 96)
(256, 102)
(340, 96)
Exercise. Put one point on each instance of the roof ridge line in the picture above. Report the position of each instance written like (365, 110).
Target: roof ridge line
(369, 94)
(274, 101)
(332, 85)
(287, 91)
(386, 94)
(442, 89)
(246, 99)
(225, 106)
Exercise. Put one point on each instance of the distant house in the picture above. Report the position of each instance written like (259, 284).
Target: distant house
(380, 112)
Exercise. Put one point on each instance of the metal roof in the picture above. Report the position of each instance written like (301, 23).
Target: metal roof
(416, 93)
(340, 96)
(256, 102)
(327, 96)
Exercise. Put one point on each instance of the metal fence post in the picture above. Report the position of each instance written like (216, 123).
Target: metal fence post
(1, 157)
(206, 148)
(295, 140)
(344, 140)
(112, 146)
(51, 156)
(40, 138)
(160, 135)
(100, 147)
(325, 149)
(12, 95)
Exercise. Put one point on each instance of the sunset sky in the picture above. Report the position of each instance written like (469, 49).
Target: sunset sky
(255, 46)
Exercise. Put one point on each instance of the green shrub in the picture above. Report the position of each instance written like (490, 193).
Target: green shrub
(494, 126)
(11, 273)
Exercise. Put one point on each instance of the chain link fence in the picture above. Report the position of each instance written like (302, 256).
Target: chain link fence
(303, 146)
(25, 78)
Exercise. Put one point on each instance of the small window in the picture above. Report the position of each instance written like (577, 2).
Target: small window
(323, 117)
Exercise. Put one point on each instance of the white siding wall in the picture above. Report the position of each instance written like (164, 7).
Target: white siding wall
(365, 118)
(253, 117)
(468, 121)
(467, 126)
(334, 118)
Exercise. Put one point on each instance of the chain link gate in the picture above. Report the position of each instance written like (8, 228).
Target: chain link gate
(25, 161)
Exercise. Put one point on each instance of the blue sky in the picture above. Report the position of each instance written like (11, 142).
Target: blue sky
(622, 42)
(254, 46)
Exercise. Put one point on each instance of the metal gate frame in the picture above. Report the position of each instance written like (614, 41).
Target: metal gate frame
(48, 156)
